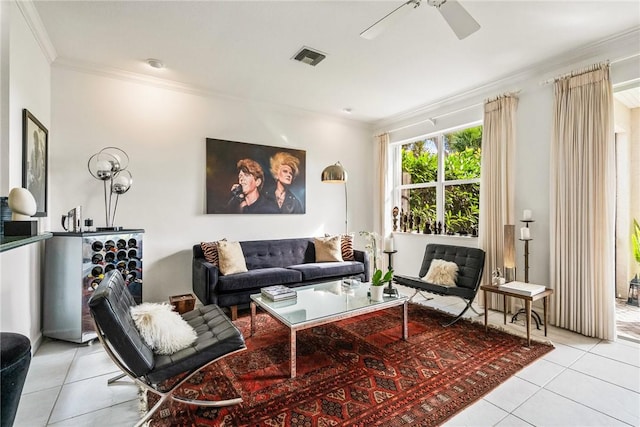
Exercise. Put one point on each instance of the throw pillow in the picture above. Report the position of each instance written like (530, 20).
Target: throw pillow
(328, 249)
(210, 250)
(346, 244)
(231, 258)
(441, 272)
(164, 330)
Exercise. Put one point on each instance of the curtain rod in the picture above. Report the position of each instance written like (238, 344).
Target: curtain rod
(434, 118)
(562, 76)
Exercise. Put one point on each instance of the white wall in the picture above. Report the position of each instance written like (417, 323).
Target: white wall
(29, 86)
(164, 133)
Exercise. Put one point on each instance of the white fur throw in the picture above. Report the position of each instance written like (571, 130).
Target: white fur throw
(442, 273)
(164, 330)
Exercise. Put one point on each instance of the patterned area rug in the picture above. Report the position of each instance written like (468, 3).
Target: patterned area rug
(356, 372)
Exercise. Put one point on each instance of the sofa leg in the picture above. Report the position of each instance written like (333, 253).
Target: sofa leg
(234, 312)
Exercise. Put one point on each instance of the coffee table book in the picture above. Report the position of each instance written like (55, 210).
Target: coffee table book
(278, 293)
(522, 288)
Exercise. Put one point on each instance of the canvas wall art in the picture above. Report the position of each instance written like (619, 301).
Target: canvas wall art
(247, 178)
(35, 148)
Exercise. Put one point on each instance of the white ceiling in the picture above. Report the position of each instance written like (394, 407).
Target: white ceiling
(243, 49)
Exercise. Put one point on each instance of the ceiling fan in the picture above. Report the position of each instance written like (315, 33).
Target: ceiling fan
(456, 16)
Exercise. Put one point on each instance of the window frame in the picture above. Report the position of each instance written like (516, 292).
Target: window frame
(440, 183)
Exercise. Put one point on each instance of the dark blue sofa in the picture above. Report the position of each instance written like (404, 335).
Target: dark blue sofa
(289, 262)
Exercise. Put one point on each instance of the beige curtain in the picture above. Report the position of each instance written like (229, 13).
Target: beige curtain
(383, 216)
(583, 203)
(496, 184)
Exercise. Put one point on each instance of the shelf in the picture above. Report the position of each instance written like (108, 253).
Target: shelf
(12, 242)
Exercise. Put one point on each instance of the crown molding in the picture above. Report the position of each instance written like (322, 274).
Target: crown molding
(36, 26)
(618, 47)
(162, 83)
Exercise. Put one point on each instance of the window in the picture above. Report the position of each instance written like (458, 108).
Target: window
(440, 180)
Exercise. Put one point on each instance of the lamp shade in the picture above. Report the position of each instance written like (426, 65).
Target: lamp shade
(509, 252)
(334, 174)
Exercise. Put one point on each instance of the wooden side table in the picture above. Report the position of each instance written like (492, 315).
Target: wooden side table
(528, 299)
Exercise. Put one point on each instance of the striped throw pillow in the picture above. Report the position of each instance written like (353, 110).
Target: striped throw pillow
(346, 244)
(210, 250)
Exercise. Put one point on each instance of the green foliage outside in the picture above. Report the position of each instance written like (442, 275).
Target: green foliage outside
(462, 161)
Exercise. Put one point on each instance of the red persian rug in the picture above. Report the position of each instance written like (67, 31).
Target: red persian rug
(356, 372)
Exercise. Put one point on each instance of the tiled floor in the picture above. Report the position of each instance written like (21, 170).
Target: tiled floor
(583, 382)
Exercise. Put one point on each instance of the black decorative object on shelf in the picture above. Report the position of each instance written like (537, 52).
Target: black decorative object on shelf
(394, 213)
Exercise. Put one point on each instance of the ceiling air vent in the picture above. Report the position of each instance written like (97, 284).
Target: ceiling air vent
(309, 56)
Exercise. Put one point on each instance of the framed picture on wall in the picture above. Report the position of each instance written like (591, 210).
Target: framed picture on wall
(35, 149)
(247, 178)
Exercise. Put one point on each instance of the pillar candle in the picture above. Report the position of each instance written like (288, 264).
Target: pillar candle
(526, 215)
(524, 233)
(388, 244)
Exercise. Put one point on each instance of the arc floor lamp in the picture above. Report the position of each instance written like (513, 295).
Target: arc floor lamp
(336, 174)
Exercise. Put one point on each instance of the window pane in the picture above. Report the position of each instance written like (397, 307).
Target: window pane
(462, 207)
(419, 162)
(421, 202)
(462, 154)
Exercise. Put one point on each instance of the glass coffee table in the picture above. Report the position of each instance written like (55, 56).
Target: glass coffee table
(324, 303)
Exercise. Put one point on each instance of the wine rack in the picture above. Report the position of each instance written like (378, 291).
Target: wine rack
(75, 264)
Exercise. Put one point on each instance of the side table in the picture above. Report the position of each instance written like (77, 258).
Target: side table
(528, 299)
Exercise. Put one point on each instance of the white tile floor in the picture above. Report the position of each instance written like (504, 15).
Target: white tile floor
(583, 382)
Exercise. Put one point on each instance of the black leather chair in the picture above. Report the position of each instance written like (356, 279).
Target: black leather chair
(470, 263)
(15, 358)
(217, 337)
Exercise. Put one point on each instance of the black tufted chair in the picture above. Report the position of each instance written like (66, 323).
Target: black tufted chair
(470, 263)
(217, 337)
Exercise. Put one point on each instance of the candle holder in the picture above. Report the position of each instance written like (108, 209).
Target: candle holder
(534, 315)
(526, 250)
(390, 290)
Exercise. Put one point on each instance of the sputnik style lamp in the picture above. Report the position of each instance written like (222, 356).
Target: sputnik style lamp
(336, 174)
(109, 166)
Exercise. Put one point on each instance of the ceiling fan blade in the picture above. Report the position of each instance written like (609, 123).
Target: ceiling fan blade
(458, 19)
(383, 23)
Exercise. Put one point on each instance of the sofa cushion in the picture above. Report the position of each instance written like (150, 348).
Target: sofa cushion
(231, 258)
(318, 270)
(256, 279)
(346, 244)
(277, 253)
(328, 249)
(210, 251)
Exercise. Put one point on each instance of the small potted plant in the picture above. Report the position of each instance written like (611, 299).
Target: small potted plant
(378, 281)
